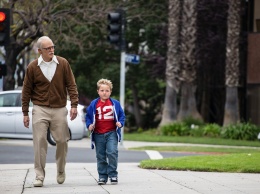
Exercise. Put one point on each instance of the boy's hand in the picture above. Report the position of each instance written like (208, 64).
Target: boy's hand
(91, 127)
(118, 124)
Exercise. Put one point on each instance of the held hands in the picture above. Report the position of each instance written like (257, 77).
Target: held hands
(73, 113)
(26, 121)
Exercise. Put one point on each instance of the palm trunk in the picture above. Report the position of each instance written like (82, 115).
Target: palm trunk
(188, 106)
(231, 115)
(188, 74)
(170, 106)
(231, 106)
(173, 64)
(137, 113)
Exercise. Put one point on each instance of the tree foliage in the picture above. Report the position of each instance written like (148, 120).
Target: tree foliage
(79, 29)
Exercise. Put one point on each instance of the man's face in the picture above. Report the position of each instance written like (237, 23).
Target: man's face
(47, 50)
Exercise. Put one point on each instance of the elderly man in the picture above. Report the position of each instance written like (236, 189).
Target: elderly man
(47, 81)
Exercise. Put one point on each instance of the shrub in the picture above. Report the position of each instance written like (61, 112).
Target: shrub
(175, 129)
(140, 130)
(211, 130)
(196, 131)
(189, 121)
(241, 131)
(207, 130)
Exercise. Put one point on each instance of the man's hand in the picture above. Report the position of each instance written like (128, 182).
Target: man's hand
(26, 121)
(73, 113)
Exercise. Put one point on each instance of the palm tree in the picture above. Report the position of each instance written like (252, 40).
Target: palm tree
(187, 74)
(231, 115)
(172, 64)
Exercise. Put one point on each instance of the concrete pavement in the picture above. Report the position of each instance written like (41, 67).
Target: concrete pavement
(82, 178)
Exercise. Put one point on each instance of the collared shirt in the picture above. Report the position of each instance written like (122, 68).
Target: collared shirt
(48, 68)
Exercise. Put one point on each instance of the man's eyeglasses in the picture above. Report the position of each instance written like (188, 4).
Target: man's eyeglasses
(49, 48)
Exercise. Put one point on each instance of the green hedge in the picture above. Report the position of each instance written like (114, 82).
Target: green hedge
(239, 131)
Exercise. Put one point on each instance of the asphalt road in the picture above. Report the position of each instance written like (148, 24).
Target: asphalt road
(21, 152)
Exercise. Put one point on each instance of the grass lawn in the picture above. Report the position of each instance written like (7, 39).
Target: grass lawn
(199, 149)
(245, 162)
(237, 159)
(152, 137)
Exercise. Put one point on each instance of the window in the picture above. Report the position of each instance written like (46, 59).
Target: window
(8, 100)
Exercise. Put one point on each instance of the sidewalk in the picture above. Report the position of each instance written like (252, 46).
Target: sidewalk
(81, 178)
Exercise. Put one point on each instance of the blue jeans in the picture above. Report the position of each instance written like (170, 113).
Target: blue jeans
(107, 154)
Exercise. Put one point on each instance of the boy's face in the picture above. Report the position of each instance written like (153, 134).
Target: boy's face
(104, 92)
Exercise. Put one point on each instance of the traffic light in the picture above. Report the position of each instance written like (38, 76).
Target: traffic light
(4, 26)
(3, 70)
(116, 28)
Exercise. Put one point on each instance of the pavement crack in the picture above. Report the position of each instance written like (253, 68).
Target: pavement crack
(174, 181)
(220, 184)
(96, 180)
(25, 180)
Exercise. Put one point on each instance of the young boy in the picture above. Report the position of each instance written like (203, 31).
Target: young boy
(104, 119)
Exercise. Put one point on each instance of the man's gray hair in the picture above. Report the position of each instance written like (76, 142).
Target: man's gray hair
(40, 40)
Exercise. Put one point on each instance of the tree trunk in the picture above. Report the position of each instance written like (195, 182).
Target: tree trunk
(188, 106)
(231, 107)
(10, 60)
(231, 115)
(204, 103)
(137, 114)
(188, 72)
(169, 107)
(173, 64)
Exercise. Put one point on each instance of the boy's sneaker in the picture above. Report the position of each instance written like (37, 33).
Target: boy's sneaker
(102, 181)
(113, 180)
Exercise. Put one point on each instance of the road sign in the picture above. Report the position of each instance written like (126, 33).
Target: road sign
(131, 58)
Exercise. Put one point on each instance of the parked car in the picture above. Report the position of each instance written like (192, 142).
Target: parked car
(11, 119)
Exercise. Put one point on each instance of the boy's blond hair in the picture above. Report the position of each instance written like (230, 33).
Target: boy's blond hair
(104, 82)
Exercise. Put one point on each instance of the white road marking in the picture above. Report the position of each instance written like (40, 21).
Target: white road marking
(154, 155)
